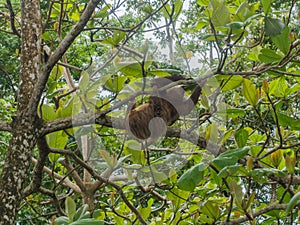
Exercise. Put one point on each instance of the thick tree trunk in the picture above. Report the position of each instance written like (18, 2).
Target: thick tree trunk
(25, 124)
(25, 127)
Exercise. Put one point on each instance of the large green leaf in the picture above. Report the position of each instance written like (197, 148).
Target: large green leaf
(230, 157)
(237, 193)
(278, 87)
(70, 208)
(192, 177)
(229, 82)
(146, 211)
(292, 203)
(273, 26)
(220, 13)
(266, 6)
(57, 139)
(82, 213)
(285, 120)
(178, 197)
(48, 112)
(211, 209)
(249, 92)
(241, 137)
(244, 12)
(234, 113)
(115, 83)
(282, 41)
(62, 220)
(133, 68)
(269, 56)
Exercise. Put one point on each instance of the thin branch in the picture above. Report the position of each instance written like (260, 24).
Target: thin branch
(73, 173)
(58, 53)
(36, 182)
(12, 18)
(108, 182)
(64, 181)
(258, 213)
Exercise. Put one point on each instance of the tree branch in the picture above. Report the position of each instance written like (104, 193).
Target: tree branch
(36, 182)
(63, 180)
(258, 213)
(12, 18)
(5, 126)
(58, 53)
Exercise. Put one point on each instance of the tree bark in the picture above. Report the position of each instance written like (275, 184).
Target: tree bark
(25, 125)
(26, 128)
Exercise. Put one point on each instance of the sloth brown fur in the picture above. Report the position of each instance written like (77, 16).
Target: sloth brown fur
(164, 106)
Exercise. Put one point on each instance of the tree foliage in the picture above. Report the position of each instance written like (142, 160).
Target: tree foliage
(70, 70)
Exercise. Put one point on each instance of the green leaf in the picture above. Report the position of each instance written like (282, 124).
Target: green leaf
(292, 203)
(133, 148)
(230, 157)
(82, 213)
(220, 13)
(253, 55)
(269, 56)
(146, 211)
(84, 80)
(244, 12)
(229, 82)
(74, 14)
(237, 193)
(130, 68)
(234, 113)
(238, 153)
(192, 177)
(57, 139)
(70, 208)
(110, 160)
(211, 209)
(250, 200)
(203, 2)
(177, 197)
(231, 113)
(177, 8)
(116, 38)
(273, 26)
(56, 73)
(229, 171)
(235, 25)
(48, 113)
(67, 109)
(89, 221)
(53, 157)
(164, 72)
(167, 11)
(282, 41)
(266, 6)
(212, 133)
(103, 12)
(62, 220)
(115, 83)
(249, 92)
(278, 87)
(241, 137)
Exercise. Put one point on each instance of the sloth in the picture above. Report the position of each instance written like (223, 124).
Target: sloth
(164, 107)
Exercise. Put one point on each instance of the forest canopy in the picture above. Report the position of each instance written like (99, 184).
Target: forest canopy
(72, 73)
